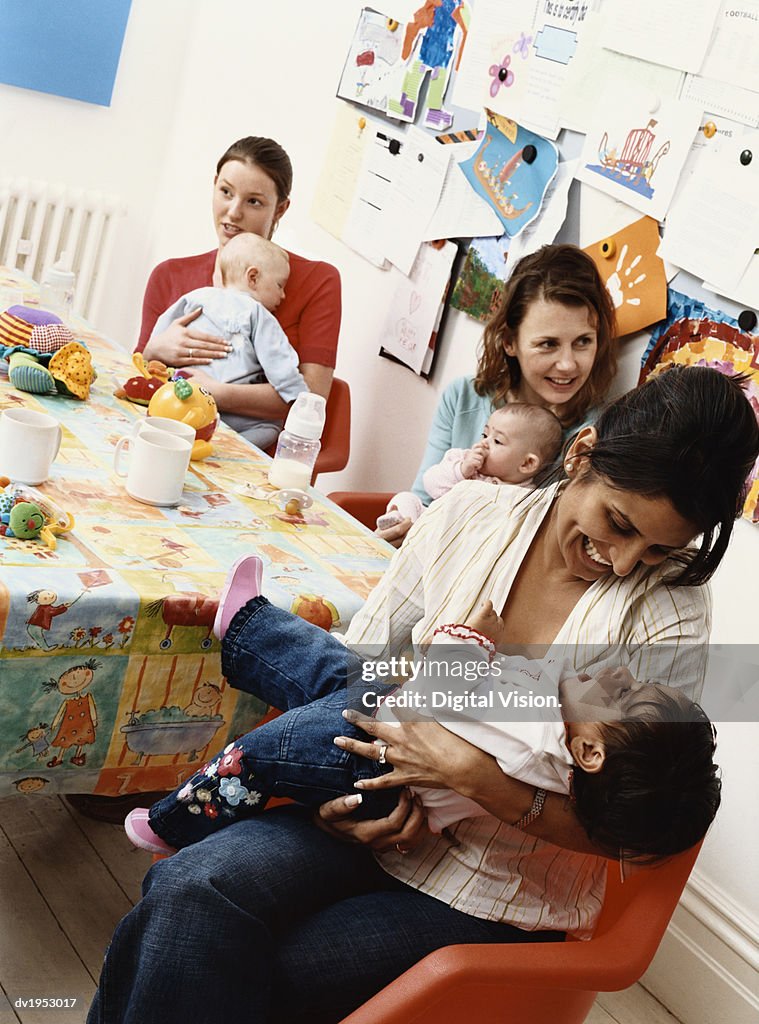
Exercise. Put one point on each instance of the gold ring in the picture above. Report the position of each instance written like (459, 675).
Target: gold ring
(382, 759)
(191, 351)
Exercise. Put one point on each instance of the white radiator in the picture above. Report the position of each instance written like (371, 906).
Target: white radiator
(40, 220)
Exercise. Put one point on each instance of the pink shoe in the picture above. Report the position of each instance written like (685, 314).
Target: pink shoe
(243, 583)
(137, 827)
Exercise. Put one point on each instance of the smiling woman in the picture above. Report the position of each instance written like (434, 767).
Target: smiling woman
(550, 343)
(583, 567)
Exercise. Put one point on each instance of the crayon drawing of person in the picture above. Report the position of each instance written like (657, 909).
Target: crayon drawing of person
(76, 720)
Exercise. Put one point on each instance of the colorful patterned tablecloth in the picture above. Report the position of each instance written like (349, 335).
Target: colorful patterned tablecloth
(110, 678)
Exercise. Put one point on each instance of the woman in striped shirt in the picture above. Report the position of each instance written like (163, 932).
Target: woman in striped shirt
(274, 919)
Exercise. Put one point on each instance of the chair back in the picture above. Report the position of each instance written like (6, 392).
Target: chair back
(336, 436)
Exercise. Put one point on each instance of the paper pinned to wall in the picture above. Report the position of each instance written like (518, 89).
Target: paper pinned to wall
(733, 54)
(460, 211)
(479, 286)
(420, 171)
(338, 181)
(721, 98)
(374, 195)
(712, 227)
(633, 273)
(413, 315)
(511, 169)
(663, 33)
(636, 148)
(517, 60)
(544, 228)
(373, 70)
(594, 70)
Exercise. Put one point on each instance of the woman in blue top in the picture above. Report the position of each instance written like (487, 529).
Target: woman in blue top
(550, 343)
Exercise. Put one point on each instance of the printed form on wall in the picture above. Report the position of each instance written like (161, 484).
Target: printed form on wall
(663, 33)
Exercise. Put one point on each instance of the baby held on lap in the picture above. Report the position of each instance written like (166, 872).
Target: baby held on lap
(518, 441)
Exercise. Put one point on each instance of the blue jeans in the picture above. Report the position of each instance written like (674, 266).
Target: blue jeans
(272, 920)
(285, 661)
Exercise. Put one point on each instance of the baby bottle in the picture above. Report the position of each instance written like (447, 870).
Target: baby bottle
(57, 288)
(299, 442)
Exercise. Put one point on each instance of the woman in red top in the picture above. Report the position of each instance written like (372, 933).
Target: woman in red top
(251, 193)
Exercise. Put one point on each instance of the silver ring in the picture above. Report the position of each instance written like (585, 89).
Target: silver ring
(382, 759)
(402, 849)
(191, 351)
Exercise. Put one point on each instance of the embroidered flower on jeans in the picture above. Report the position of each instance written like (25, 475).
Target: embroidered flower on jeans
(210, 769)
(232, 791)
(203, 795)
(211, 811)
(185, 793)
(194, 808)
(252, 798)
(230, 761)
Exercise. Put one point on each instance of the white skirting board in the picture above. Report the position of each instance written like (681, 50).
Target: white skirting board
(707, 968)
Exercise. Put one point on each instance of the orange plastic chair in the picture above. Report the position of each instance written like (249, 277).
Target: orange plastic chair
(362, 505)
(540, 983)
(336, 436)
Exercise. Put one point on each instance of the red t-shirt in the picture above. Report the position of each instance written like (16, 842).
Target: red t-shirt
(309, 314)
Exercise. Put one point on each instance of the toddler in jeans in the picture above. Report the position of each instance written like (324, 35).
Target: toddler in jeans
(254, 272)
(518, 441)
(637, 758)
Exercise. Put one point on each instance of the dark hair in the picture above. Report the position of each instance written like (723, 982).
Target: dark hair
(266, 154)
(556, 273)
(688, 434)
(659, 789)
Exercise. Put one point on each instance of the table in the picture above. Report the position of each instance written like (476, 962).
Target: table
(120, 690)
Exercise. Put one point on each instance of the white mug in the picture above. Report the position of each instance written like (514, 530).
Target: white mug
(158, 463)
(175, 427)
(29, 442)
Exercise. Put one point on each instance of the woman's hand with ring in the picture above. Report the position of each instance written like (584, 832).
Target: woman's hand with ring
(181, 345)
(421, 752)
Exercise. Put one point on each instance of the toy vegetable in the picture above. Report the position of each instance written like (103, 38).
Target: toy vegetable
(188, 402)
(151, 376)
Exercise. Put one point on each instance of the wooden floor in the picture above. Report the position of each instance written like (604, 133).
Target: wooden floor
(65, 880)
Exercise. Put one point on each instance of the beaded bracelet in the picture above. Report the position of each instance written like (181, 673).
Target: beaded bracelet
(460, 632)
(534, 812)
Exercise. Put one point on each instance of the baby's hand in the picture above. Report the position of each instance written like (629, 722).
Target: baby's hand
(487, 621)
(472, 462)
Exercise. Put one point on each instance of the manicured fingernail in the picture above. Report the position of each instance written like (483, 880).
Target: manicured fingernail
(353, 800)
(359, 784)
(340, 741)
(349, 715)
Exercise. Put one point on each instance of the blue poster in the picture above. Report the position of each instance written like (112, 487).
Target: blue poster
(65, 47)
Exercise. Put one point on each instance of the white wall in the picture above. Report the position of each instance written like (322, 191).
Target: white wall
(194, 76)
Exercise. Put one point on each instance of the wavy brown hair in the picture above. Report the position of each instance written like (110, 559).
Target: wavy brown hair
(555, 273)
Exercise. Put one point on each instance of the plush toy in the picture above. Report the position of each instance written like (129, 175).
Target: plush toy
(188, 402)
(68, 371)
(35, 329)
(28, 519)
(151, 376)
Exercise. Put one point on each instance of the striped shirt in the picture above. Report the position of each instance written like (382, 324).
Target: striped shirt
(468, 548)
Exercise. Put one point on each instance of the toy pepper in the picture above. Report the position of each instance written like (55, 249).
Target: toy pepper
(188, 402)
(151, 376)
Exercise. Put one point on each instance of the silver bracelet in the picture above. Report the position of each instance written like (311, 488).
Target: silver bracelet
(534, 812)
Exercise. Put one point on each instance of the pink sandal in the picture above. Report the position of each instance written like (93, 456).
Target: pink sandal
(137, 827)
(243, 583)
